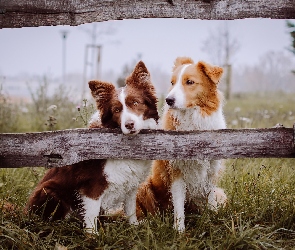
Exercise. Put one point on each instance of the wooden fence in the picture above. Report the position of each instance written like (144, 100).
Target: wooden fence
(30, 13)
(61, 148)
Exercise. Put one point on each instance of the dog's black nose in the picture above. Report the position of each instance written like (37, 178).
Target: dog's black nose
(170, 101)
(129, 124)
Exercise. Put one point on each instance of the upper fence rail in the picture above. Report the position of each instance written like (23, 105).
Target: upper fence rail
(30, 13)
(65, 147)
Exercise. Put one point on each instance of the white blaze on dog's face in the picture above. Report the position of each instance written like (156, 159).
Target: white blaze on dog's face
(131, 108)
(131, 123)
(193, 84)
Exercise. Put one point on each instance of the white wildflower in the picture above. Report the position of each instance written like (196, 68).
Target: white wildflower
(234, 122)
(52, 107)
(245, 119)
(237, 109)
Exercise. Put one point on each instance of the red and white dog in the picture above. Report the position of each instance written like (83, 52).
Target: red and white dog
(193, 103)
(86, 187)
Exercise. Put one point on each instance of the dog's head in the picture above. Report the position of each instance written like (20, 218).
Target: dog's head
(131, 108)
(194, 85)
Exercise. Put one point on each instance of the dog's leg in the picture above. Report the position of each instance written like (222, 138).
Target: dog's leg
(215, 171)
(130, 207)
(92, 209)
(178, 191)
(216, 195)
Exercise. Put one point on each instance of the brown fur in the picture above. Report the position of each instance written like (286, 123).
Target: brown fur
(204, 92)
(141, 97)
(56, 193)
(60, 190)
(154, 194)
(181, 61)
(170, 122)
(147, 90)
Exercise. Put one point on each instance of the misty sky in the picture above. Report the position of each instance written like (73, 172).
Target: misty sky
(158, 41)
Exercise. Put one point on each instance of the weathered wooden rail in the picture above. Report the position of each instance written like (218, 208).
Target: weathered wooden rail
(30, 13)
(66, 147)
(60, 148)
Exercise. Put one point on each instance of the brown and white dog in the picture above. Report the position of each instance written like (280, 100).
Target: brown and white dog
(193, 103)
(86, 187)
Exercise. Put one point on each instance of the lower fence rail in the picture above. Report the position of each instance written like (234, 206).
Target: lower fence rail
(65, 147)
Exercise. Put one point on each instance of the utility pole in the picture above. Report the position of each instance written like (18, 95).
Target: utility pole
(64, 34)
(92, 58)
(94, 65)
(227, 64)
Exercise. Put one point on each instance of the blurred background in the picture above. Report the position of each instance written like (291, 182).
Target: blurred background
(44, 70)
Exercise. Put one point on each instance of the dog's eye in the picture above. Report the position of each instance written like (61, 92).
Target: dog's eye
(135, 103)
(189, 82)
(172, 82)
(117, 110)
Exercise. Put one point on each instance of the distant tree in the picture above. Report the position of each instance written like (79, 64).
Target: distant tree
(93, 50)
(221, 48)
(271, 73)
(126, 71)
(291, 27)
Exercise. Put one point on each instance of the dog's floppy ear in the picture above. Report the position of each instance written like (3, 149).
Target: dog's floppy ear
(181, 61)
(101, 92)
(212, 72)
(140, 75)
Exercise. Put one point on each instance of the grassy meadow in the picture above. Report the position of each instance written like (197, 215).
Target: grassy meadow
(260, 213)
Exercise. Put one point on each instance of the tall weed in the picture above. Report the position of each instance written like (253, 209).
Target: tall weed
(45, 111)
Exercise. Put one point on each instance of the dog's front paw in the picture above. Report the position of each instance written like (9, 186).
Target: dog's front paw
(90, 231)
(179, 225)
(220, 196)
(216, 198)
(133, 220)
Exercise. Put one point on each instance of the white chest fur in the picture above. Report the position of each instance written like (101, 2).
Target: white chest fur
(197, 176)
(192, 119)
(123, 176)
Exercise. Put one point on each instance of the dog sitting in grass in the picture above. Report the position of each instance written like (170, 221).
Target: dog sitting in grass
(193, 103)
(87, 187)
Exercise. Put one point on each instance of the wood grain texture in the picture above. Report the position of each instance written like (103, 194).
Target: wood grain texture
(30, 13)
(60, 148)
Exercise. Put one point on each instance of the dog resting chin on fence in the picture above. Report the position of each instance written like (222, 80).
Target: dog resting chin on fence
(87, 187)
(193, 103)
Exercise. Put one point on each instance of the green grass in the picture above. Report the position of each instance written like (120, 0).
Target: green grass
(260, 111)
(260, 212)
